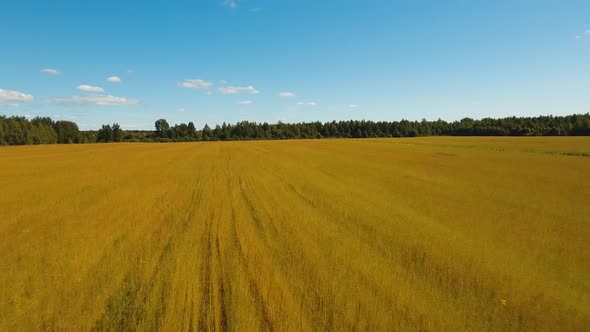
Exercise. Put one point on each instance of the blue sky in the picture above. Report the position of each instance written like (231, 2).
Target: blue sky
(210, 61)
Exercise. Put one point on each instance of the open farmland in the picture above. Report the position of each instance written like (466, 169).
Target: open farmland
(375, 234)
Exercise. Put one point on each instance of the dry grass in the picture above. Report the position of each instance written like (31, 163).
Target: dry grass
(414, 234)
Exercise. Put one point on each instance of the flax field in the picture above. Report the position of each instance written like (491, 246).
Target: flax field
(431, 234)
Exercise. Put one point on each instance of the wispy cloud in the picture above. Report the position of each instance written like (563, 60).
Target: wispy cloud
(130, 71)
(9, 105)
(353, 105)
(230, 3)
(89, 88)
(246, 102)
(309, 103)
(13, 97)
(101, 100)
(584, 34)
(287, 94)
(51, 71)
(196, 84)
(254, 10)
(232, 90)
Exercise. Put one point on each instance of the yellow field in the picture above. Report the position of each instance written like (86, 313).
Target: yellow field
(375, 234)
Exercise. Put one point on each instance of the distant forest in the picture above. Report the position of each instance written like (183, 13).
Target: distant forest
(43, 130)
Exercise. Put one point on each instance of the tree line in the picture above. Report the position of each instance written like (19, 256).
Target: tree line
(18, 130)
(43, 130)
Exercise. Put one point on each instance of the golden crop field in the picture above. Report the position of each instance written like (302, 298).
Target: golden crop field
(371, 234)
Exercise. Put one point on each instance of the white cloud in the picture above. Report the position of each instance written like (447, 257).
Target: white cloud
(232, 90)
(583, 34)
(309, 103)
(130, 71)
(101, 100)
(2, 104)
(89, 88)
(196, 84)
(353, 105)
(14, 96)
(222, 82)
(246, 102)
(287, 94)
(51, 71)
(114, 79)
(230, 3)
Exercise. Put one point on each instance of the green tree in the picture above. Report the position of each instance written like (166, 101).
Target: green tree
(192, 130)
(117, 133)
(67, 132)
(105, 134)
(162, 128)
(207, 133)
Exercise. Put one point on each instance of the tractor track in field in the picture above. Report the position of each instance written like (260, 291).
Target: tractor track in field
(251, 209)
(214, 291)
(140, 295)
(170, 246)
(205, 280)
(258, 299)
(223, 296)
(184, 307)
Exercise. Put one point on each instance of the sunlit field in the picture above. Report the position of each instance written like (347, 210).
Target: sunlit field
(371, 234)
